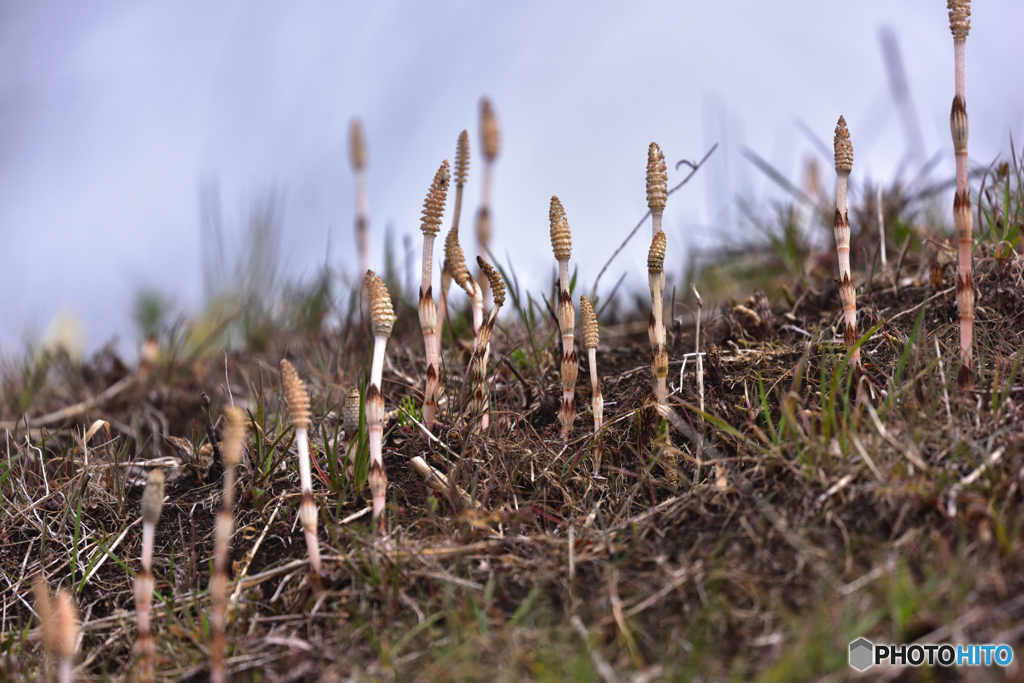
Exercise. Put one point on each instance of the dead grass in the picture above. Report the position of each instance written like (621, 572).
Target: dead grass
(753, 540)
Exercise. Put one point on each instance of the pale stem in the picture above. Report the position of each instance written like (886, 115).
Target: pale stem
(67, 667)
(478, 308)
(458, 207)
(485, 197)
(595, 390)
(563, 275)
(958, 58)
(147, 546)
(842, 177)
(428, 264)
(302, 439)
(881, 224)
(380, 343)
(656, 215)
(362, 217)
(657, 307)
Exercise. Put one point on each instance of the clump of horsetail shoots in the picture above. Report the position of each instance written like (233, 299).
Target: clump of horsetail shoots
(960, 25)
(234, 437)
(433, 207)
(456, 261)
(590, 341)
(357, 157)
(489, 142)
(656, 325)
(382, 319)
(152, 505)
(58, 621)
(657, 186)
(841, 225)
(481, 347)
(561, 245)
(298, 405)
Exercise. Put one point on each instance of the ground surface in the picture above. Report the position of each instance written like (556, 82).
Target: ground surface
(756, 539)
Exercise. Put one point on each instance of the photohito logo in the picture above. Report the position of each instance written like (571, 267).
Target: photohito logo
(865, 654)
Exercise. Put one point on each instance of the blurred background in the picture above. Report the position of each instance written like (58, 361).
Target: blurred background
(144, 147)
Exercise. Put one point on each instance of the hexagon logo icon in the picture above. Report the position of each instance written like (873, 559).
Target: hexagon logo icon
(861, 654)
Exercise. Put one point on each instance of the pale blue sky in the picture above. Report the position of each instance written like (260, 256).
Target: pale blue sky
(113, 113)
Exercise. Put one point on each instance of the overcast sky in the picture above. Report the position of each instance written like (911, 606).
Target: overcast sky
(113, 114)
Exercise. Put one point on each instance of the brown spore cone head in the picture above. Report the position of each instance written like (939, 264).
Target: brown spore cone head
(462, 158)
(382, 316)
(843, 148)
(295, 394)
(494, 279)
(234, 435)
(590, 332)
(456, 258)
(959, 18)
(356, 145)
(561, 237)
(433, 205)
(657, 178)
(350, 412)
(153, 497)
(488, 130)
(656, 254)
